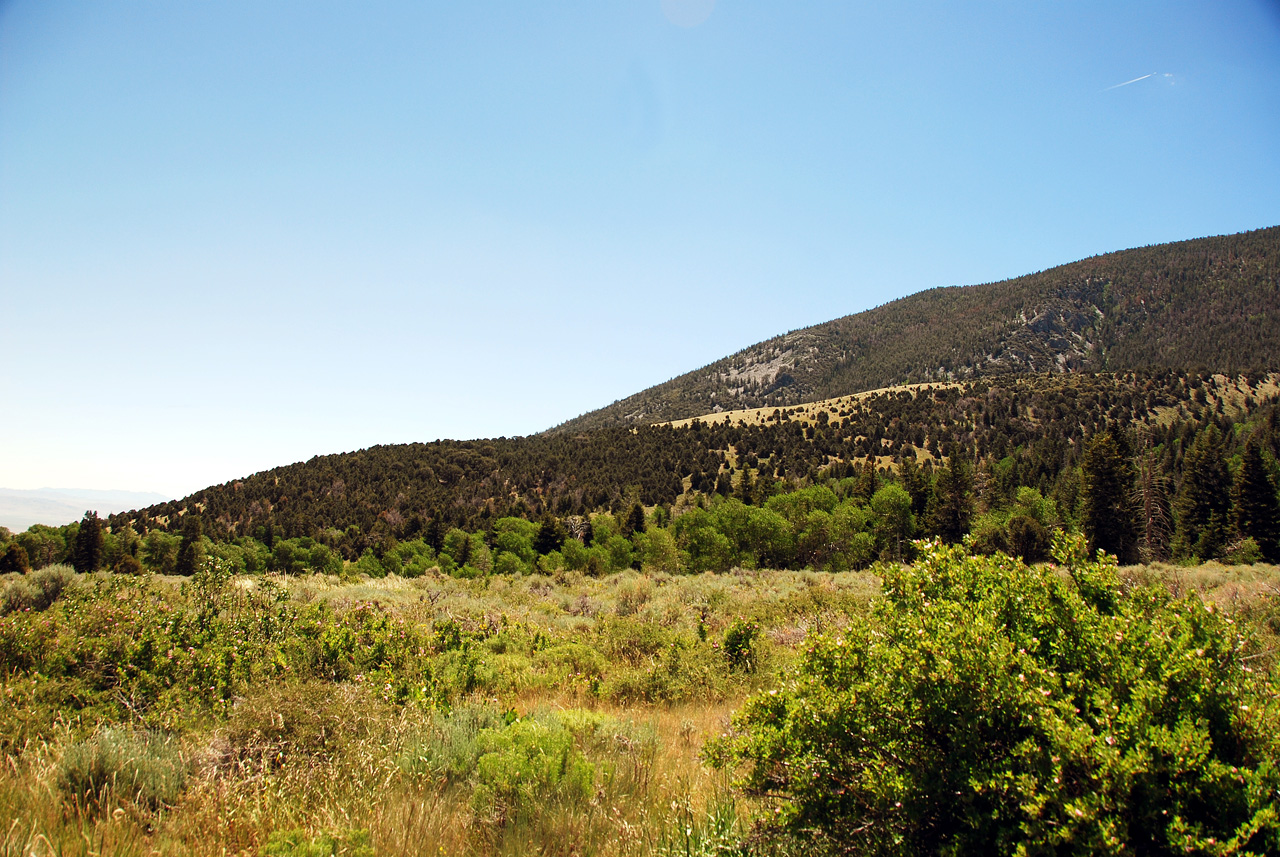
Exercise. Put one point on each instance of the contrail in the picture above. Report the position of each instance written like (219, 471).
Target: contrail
(1127, 82)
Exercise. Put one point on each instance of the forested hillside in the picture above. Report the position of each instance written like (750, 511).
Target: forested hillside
(1210, 304)
(1148, 465)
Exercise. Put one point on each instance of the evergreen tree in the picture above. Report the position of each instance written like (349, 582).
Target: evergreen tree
(868, 480)
(189, 551)
(1255, 511)
(634, 522)
(724, 484)
(1107, 511)
(551, 535)
(951, 508)
(87, 550)
(746, 491)
(917, 484)
(434, 535)
(1203, 501)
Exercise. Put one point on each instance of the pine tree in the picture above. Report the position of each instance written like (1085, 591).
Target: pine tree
(868, 480)
(550, 536)
(916, 483)
(1203, 502)
(435, 534)
(189, 551)
(1255, 511)
(1107, 511)
(635, 521)
(87, 550)
(951, 508)
(746, 491)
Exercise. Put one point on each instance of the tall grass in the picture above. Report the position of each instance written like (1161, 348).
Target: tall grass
(545, 714)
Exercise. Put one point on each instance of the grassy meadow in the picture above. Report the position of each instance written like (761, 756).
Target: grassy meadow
(317, 715)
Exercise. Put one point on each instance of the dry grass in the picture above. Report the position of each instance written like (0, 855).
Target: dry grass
(233, 805)
(329, 757)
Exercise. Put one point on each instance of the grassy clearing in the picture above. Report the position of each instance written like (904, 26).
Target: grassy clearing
(314, 715)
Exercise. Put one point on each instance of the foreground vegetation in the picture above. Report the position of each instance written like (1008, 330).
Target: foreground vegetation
(408, 716)
(570, 714)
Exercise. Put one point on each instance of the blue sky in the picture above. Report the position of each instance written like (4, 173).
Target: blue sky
(235, 235)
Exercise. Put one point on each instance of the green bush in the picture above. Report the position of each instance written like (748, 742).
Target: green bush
(740, 644)
(144, 768)
(985, 707)
(511, 765)
(296, 843)
(528, 762)
(1244, 552)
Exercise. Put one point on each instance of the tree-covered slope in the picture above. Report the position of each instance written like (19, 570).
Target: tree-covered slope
(1205, 304)
(1031, 429)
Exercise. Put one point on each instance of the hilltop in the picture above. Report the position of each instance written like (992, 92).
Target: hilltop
(1208, 304)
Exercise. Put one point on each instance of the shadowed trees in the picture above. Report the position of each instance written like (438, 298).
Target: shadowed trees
(1107, 511)
(87, 550)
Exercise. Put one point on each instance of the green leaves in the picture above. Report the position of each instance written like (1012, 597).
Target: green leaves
(988, 707)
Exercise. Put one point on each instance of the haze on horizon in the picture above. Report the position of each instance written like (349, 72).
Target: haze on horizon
(235, 236)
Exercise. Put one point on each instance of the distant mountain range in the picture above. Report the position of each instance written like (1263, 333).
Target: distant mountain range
(1206, 304)
(19, 509)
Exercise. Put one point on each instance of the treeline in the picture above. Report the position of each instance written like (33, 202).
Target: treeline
(1150, 466)
(1208, 303)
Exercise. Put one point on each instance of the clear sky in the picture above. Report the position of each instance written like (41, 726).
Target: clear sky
(235, 235)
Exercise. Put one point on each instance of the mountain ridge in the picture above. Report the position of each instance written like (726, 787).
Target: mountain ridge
(1207, 303)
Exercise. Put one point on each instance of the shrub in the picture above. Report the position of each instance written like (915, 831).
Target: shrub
(987, 707)
(37, 590)
(296, 843)
(19, 595)
(512, 765)
(144, 768)
(1244, 552)
(280, 723)
(528, 762)
(740, 644)
(51, 581)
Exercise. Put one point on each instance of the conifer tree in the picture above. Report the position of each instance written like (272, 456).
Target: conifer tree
(86, 552)
(746, 491)
(551, 535)
(868, 480)
(434, 535)
(1203, 500)
(1255, 511)
(917, 485)
(634, 522)
(1107, 513)
(189, 551)
(951, 508)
